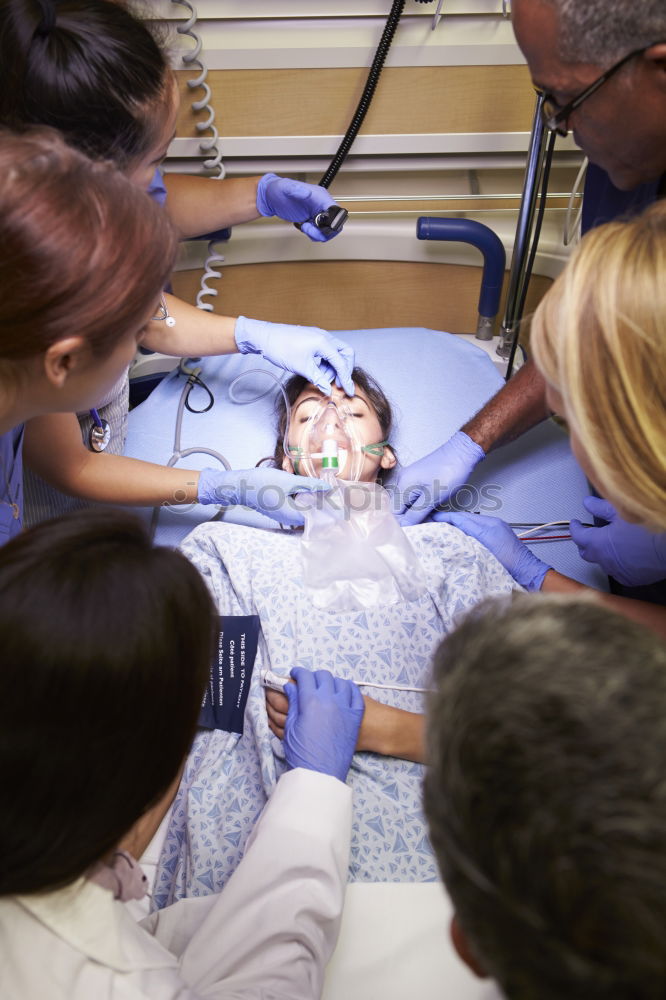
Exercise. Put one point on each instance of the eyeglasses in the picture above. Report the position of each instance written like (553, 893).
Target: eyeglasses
(555, 117)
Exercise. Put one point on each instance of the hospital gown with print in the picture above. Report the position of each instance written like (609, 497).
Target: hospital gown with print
(228, 777)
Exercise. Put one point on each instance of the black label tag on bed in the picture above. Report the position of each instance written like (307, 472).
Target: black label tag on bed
(223, 706)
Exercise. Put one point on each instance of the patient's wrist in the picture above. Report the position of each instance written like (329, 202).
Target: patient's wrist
(373, 735)
(391, 731)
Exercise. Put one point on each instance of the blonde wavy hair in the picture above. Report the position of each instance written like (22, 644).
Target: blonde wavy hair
(599, 339)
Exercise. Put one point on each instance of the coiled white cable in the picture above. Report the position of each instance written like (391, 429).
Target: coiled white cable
(193, 60)
(213, 260)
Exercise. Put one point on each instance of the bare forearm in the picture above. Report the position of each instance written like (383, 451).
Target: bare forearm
(114, 479)
(392, 732)
(54, 450)
(653, 616)
(196, 333)
(389, 731)
(518, 406)
(199, 205)
(120, 480)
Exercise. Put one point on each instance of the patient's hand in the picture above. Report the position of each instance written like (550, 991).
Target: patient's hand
(385, 730)
(277, 706)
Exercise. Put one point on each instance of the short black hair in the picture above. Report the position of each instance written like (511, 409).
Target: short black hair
(106, 648)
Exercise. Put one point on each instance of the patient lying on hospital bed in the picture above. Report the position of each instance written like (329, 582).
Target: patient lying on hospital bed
(228, 776)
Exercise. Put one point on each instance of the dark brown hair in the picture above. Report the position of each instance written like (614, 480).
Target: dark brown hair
(106, 645)
(82, 250)
(86, 67)
(370, 389)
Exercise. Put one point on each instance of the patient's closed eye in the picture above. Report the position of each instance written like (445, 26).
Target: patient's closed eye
(306, 408)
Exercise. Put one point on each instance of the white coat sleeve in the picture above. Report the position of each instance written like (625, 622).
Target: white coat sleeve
(272, 929)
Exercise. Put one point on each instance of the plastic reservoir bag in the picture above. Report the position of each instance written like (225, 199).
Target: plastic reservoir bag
(355, 554)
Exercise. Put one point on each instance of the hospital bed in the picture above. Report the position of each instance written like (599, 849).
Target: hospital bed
(277, 72)
(435, 380)
(394, 937)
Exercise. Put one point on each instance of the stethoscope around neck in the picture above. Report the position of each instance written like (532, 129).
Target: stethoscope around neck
(99, 434)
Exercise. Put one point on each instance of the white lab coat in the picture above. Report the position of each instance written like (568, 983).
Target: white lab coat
(268, 935)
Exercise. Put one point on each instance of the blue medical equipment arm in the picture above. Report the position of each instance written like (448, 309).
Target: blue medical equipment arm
(494, 261)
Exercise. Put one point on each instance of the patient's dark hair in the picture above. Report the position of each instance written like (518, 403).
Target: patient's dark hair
(106, 645)
(546, 797)
(86, 67)
(371, 389)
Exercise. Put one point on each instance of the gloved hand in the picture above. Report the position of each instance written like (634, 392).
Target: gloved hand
(629, 553)
(323, 720)
(294, 201)
(431, 480)
(270, 491)
(498, 537)
(304, 350)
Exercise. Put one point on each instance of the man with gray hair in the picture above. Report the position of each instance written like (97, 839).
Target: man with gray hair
(546, 798)
(602, 67)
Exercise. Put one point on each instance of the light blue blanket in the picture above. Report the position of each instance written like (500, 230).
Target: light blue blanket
(228, 778)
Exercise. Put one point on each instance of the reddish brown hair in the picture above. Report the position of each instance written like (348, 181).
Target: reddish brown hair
(82, 250)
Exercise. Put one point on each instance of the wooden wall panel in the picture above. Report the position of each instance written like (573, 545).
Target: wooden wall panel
(347, 295)
(322, 101)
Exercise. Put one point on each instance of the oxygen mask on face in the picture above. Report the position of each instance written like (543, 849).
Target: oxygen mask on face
(326, 442)
(355, 554)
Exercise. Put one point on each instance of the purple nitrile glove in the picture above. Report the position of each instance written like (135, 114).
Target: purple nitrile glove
(431, 480)
(323, 720)
(629, 553)
(269, 491)
(294, 201)
(303, 350)
(497, 536)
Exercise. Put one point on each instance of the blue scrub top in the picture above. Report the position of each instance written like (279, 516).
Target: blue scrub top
(603, 202)
(156, 188)
(11, 483)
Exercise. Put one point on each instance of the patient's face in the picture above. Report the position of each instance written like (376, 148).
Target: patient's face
(366, 427)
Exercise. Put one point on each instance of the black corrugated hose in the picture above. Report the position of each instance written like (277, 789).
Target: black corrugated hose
(369, 89)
